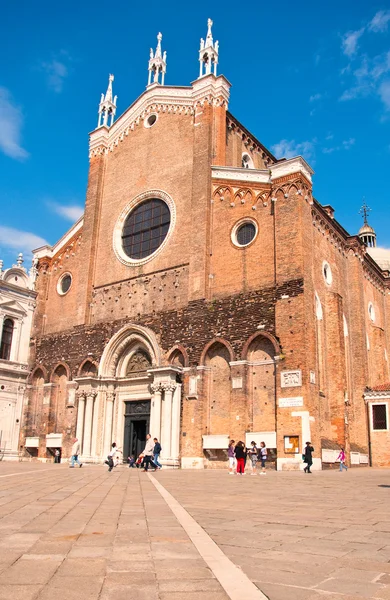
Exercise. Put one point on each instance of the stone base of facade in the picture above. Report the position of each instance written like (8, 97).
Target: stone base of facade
(192, 462)
(296, 464)
(10, 456)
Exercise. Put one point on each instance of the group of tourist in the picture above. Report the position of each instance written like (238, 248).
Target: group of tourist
(238, 454)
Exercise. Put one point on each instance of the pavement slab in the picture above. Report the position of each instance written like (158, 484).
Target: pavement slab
(86, 533)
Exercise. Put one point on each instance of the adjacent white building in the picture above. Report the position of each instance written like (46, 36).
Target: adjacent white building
(17, 303)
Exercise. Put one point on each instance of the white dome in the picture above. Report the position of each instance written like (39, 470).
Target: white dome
(381, 257)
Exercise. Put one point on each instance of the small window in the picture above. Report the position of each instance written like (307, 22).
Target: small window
(244, 233)
(64, 284)
(379, 417)
(6, 339)
(150, 120)
(327, 273)
(371, 311)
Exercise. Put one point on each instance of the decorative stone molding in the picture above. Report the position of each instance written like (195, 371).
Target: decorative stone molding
(160, 99)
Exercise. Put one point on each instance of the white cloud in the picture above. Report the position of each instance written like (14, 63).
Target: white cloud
(368, 78)
(71, 212)
(11, 121)
(21, 241)
(56, 73)
(384, 93)
(350, 42)
(315, 97)
(380, 21)
(290, 148)
(347, 144)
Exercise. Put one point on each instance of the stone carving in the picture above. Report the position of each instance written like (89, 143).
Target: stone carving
(168, 386)
(138, 363)
(291, 378)
(110, 396)
(138, 408)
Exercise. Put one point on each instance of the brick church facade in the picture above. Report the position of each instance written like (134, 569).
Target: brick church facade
(204, 295)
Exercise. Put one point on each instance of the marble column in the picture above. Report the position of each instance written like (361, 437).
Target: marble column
(175, 437)
(95, 422)
(110, 397)
(80, 417)
(155, 413)
(88, 423)
(166, 428)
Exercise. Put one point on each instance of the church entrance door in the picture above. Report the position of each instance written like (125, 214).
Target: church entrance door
(137, 417)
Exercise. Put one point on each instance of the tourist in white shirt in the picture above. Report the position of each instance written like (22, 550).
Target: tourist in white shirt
(148, 453)
(75, 454)
(110, 457)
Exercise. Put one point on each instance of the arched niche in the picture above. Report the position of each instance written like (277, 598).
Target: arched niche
(87, 369)
(260, 352)
(178, 357)
(36, 398)
(217, 361)
(58, 399)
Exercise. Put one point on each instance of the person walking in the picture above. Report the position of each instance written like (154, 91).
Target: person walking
(75, 454)
(341, 458)
(241, 454)
(110, 457)
(57, 456)
(263, 457)
(156, 453)
(148, 453)
(307, 457)
(253, 451)
(232, 457)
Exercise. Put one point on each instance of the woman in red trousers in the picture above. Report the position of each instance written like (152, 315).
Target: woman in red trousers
(240, 453)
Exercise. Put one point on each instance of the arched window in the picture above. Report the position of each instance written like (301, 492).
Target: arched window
(246, 161)
(6, 339)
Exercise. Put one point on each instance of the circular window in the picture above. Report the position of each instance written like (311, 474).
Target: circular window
(150, 120)
(244, 233)
(371, 311)
(145, 228)
(327, 273)
(64, 283)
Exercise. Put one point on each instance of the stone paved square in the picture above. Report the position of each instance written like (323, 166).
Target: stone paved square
(86, 533)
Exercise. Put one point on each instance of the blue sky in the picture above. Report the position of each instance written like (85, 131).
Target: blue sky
(310, 78)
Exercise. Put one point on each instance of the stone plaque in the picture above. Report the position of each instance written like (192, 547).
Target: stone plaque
(193, 386)
(355, 458)
(290, 402)
(329, 456)
(312, 377)
(236, 383)
(291, 378)
(363, 458)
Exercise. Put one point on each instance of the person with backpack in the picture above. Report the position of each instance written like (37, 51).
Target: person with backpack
(341, 458)
(263, 457)
(156, 453)
(253, 451)
(307, 457)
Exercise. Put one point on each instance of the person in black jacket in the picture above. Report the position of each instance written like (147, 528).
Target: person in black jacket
(241, 454)
(156, 453)
(307, 457)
